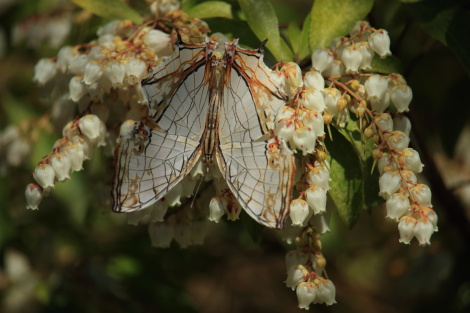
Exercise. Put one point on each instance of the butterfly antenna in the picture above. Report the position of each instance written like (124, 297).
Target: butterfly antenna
(197, 191)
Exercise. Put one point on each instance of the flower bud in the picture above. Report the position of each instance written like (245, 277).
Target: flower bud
(44, 175)
(33, 194)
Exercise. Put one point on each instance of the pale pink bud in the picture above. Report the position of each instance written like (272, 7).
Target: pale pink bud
(397, 205)
(33, 194)
(93, 73)
(136, 70)
(321, 59)
(44, 175)
(319, 176)
(314, 80)
(380, 42)
(316, 198)
(405, 227)
(401, 97)
(421, 194)
(285, 126)
(89, 126)
(352, 59)
(161, 234)
(299, 212)
(398, 141)
(389, 183)
(312, 99)
(423, 231)
(295, 276)
(305, 139)
(76, 89)
(44, 71)
(61, 165)
(306, 293)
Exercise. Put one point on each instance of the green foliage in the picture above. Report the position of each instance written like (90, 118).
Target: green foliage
(211, 9)
(334, 18)
(262, 19)
(115, 9)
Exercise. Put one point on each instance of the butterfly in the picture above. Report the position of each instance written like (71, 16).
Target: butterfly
(211, 107)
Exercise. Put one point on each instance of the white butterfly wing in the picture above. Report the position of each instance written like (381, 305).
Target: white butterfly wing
(161, 150)
(258, 168)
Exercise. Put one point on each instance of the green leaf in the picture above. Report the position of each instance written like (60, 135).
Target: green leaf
(304, 46)
(347, 185)
(294, 34)
(334, 18)
(262, 20)
(114, 9)
(389, 65)
(211, 9)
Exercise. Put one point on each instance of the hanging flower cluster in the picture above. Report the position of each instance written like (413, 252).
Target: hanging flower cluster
(101, 83)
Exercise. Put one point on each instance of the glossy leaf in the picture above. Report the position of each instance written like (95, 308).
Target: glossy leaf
(389, 65)
(333, 18)
(262, 20)
(115, 9)
(211, 9)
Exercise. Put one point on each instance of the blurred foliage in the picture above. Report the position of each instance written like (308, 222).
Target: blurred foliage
(80, 257)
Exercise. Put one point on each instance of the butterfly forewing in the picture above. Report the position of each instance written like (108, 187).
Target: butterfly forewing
(155, 156)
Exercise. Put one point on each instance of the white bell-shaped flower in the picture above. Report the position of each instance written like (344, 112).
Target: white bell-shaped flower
(389, 183)
(321, 59)
(76, 89)
(313, 121)
(421, 194)
(157, 40)
(423, 231)
(380, 42)
(397, 205)
(295, 276)
(352, 59)
(285, 126)
(294, 258)
(367, 56)
(380, 104)
(161, 234)
(402, 123)
(136, 70)
(376, 86)
(93, 73)
(319, 176)
(182, 235)
(76, 155)
(158, 211)
(299, 212)
(64, 57)
(305, 139)
(331, 96)
(115, 72)
(306, 293)
(326, 293)
(33, 194)
(397, 140)
(44, 71)
(314, 80)
(432, 217)
(316, 198)
(89, 126)
(312, 99)
(401, 97)
(78, 63)
(384, 122)
(44, 175)
(405, 228)
(61, 165)
(336, 68)
(216, 209)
